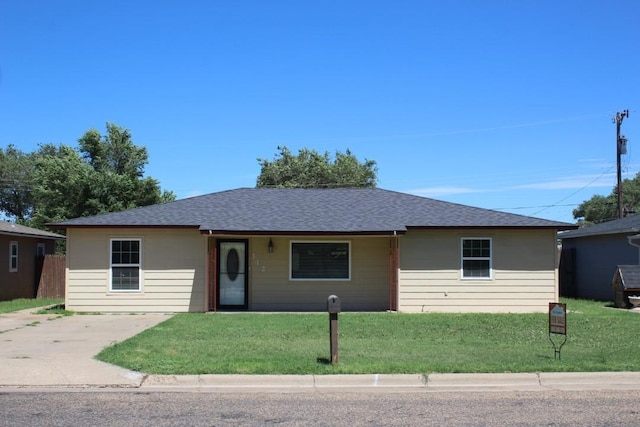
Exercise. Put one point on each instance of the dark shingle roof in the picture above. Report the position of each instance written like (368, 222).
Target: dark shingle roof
(629, 276)
(626, 225)
(17, 229)
(340, 210)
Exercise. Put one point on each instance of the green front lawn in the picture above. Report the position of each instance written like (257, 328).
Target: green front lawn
(25, 303)
(599, 339)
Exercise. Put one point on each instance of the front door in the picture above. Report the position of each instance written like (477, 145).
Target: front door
(233, 279)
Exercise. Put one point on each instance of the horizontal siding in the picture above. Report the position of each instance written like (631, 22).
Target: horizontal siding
(454, 275)
(87, 306)
(179, 288)
(173, 274)
(271, 289)
(473, 289)
(524, 273)
(480, 306)
(81, 275)
(448, 277)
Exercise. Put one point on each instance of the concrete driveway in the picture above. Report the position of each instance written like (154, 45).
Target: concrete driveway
(49, 351)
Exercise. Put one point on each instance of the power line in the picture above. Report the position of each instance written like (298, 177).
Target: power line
(574, 193)
(535, 207)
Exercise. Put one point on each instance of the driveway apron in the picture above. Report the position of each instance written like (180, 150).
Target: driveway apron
(49, 350)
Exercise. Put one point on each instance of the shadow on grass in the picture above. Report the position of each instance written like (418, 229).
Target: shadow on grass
(323, 361)
(55, 309)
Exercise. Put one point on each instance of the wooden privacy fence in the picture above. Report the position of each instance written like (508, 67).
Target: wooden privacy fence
(51, 276)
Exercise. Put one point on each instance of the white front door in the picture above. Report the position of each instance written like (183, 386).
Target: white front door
(232, 274)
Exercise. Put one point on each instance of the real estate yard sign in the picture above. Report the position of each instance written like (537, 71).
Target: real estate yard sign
(557, 324)
(557, 318)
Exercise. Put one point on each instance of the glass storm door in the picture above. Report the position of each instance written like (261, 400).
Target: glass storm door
(232, 274)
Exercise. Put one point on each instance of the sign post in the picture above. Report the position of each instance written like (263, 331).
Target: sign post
(557, 326)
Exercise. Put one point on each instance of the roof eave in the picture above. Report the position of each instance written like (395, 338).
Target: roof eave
(603, 233)
(111, 226)
(300, 233)
(33, 236)
(492, 227)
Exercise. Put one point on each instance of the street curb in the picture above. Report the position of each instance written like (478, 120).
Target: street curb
(590, 381)
(430, 383)
(479, 382)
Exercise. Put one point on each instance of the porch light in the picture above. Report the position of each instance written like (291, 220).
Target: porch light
(270, 246)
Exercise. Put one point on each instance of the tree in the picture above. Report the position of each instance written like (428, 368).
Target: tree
(105, 174)
(310, 169)
(118, 164)
(114, 152)
(61, 185)
(604, 208)
(16, 176)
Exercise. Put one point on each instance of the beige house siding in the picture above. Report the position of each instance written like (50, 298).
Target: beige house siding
(524, 278)
(270, 287)
(172, 277)
(174, 273)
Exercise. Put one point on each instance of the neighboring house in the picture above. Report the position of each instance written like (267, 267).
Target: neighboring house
(591, 254)
(289, 249)
(22, 248)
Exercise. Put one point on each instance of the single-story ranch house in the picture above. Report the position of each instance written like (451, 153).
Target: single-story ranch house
(268, 249)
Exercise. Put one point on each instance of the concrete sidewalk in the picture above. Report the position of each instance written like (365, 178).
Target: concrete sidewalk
(57, 353)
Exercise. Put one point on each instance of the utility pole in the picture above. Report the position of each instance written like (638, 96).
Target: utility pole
(621, 143)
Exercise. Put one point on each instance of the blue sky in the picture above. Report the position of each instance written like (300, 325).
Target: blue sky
(499, 104)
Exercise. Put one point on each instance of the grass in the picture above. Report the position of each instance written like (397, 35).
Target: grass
(26, 303)
(599, 339)
(56, 309)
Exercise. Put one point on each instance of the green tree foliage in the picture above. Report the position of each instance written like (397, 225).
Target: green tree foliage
(605, 208)
(310, 169)
(105, 174)
(16, 174)
(114, 152)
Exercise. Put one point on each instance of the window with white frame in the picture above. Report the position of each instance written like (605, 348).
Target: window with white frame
(476, 258)
(125, 264)
(13, 257)
(320, 261)
(41, 249)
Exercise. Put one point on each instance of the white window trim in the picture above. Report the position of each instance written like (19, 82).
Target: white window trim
(291, 278)
(13, 244)
(111, 265)
(462, 258)
(44, 249)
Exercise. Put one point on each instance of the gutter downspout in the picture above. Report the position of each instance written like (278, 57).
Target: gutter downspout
(635, 241)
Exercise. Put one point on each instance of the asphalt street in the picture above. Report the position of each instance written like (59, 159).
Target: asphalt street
(369, 407)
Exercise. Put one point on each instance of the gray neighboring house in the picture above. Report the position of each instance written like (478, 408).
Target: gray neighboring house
(590, 256)
(267, 249)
